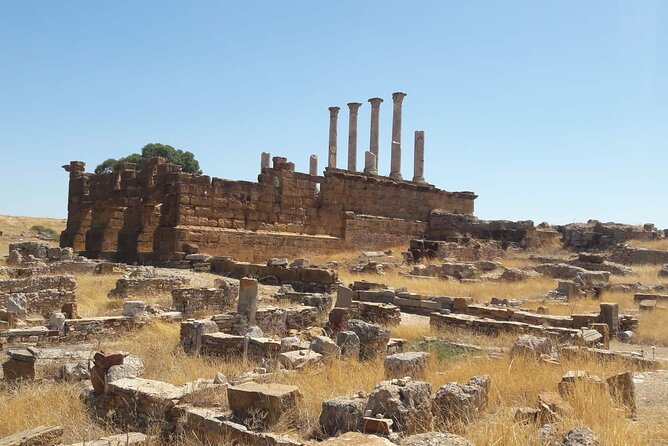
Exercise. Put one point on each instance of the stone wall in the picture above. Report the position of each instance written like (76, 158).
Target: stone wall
(457, 227)
(151, 214)
(44, 294)
(597, 235)
(191, 300)
(638, 256)
(137, 287)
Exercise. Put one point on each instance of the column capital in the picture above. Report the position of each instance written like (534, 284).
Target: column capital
(354, 106)
(334, 111)
(375, 102)
(398, 96)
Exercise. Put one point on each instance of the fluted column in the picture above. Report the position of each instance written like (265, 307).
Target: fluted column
(333, 117)
(353, 108)
(313, 165)
(375, 128)
(395, 162)
(418, 157)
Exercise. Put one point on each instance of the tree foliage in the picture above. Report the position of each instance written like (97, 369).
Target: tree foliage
(185, 159)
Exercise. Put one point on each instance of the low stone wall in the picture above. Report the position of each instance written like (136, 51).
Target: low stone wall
(638, 256)
(376, 313)
(316, 280)
(191, 300)
(597, 235)
(138, 287)
(43, 294)
(84, 329)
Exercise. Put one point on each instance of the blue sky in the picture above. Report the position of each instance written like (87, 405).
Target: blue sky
(550, 111)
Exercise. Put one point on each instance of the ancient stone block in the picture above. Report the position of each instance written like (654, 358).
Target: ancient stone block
(406, 403)
(342, 414)
(411, 364)
(264, 401)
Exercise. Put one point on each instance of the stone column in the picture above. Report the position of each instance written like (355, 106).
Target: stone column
(418, 157)
(313, 165)
(264, 160)
(333, 117)
(247, 303)
(375, 129)
(352, 135)
(370, 163)
(395, 162)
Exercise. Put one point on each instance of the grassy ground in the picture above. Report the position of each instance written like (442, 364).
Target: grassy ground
(16, 229)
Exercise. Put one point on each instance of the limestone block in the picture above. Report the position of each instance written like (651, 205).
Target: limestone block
(400, 365)
(267, 401)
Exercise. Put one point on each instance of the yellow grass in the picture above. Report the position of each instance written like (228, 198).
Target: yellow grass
(651, 244)
(164, 360)
(47, 404)
(515, 382)
(15, 229)
(92, 297)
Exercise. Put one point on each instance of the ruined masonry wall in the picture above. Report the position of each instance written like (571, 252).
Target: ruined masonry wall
(44, 294)
(152, 214)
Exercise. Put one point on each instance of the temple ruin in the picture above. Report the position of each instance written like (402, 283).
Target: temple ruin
(158, 213)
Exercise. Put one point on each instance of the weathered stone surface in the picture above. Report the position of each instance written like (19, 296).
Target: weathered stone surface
(462, 402)
(247, 304)
(297, 359)
(435, 439)
(342, 414)
(581, 436)
(407, 403)
(400, 365)
(325, 346)
(531, 346)
(373, 338)
(126, 439)
(610, 316)
(265, 402)
(623, 389)
(344, 297)
(354, 439)
(349, 343)
(74, 372)
(514, 275)
(38, 436)
(132, 367)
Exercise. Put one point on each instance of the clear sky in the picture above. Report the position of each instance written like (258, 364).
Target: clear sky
(549, 110)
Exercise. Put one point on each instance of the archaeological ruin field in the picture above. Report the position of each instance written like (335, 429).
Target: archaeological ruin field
(334, 307)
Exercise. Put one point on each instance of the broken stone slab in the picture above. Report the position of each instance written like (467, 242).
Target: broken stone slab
(132, 367)
(462, 402)
(354, 439)
(342, 414)
(247, 304)
(400, 365)
(527, 415)
(17, 303)
(529, 345)
(134, 308)
(75, 372)
(407, 403)
(622, 388)
(435, 439)
(344, 297)
(349, 343)
(126, 439)
(373, 338)
(382, 426)
(37, 436)
(325, 346)
(267, 401)
(297, 359)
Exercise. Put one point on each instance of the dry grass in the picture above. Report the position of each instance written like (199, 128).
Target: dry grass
(515, 382)
(651, 244)
(92, 297)
(15, 229)
(47, 404)
(158, 346)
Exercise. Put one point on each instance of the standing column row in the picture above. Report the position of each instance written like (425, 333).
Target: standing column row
(395, 152)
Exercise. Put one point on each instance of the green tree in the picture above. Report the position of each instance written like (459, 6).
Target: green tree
(186, 159)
